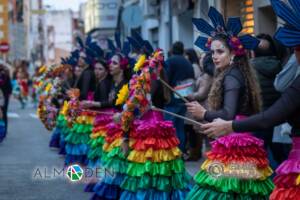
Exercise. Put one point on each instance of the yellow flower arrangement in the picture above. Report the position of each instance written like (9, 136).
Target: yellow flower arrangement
(123, 95)
(140, 63)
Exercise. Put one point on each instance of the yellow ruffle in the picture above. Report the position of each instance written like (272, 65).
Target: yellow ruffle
(298, 180)
(65, 108)
(241, 170)
(108, 147)
(85, 119)
(161, 155)
(98, 134)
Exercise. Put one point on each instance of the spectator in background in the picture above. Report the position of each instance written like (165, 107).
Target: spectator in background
(191, 56)
(202, 87)
(181, 77)
(267, 66)
(6, 88)
(22, 79)
(87, 80)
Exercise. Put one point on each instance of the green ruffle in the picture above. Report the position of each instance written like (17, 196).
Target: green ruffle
(114, 153)
(94, 143)
(153, 169)
(231, 184)
(161, 183)
(61, 120)
(95, 153)
(65, 131)
(114, 164)
(82, 128)
(198, 193)
(77, 138)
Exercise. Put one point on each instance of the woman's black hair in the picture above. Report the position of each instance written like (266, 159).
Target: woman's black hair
(270, 51)
(102, 62)
(208, 64)
(192, 56)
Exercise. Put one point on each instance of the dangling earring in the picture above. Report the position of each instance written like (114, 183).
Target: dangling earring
(231, 60)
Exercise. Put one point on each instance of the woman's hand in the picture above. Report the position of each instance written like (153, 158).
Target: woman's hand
(196, 110)
(86, 104)
(217, 128)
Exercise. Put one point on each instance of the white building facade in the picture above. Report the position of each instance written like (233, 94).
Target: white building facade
(58, 35)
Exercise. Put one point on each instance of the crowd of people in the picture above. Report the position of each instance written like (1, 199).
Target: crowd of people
(130, 110)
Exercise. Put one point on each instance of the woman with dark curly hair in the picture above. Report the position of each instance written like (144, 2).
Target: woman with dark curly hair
(236, 166)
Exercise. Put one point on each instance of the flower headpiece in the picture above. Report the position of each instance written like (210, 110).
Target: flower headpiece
(289, 35)
(233, 27)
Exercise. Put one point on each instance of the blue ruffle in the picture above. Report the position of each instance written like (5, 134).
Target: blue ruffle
(94, 163)
(89, 187)
(106, 191)
(77, 149)
(62, 145)
(73, 159)
(154, 195)
(55, 138)
(2, 130)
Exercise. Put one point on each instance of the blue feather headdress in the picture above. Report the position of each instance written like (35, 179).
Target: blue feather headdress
(231, 30)
(289, 34)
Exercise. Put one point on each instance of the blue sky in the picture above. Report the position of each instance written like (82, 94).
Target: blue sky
(64, 4)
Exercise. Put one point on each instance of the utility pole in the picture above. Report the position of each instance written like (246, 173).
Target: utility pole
(170, 23)
(41, 33)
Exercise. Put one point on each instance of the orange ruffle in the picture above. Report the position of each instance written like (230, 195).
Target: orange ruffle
(155, 143)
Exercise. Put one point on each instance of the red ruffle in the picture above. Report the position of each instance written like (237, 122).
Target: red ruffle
(99, 128)
(114, 132)
(240, 151)
(286, 180)
(155, 143)
(260, 162)
(286, 194)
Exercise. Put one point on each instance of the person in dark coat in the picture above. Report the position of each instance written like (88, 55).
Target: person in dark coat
(180, 73)
(267, 66)
(86, 80)
(6, 87)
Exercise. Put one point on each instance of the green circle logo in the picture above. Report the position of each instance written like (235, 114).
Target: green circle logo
(74, 173)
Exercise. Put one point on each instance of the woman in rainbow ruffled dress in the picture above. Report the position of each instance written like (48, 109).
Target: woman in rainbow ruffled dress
(286, 108)
(237, 165)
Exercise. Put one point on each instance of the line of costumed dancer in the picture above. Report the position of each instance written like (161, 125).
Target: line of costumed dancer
(102, 107)
(113, 125)
(286, 108)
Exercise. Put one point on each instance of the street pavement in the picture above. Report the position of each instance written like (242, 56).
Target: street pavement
(27, 163)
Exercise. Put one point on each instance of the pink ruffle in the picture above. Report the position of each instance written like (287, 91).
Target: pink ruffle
(103, 119)
(237, 139)
(289, 166)
(153, 129)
